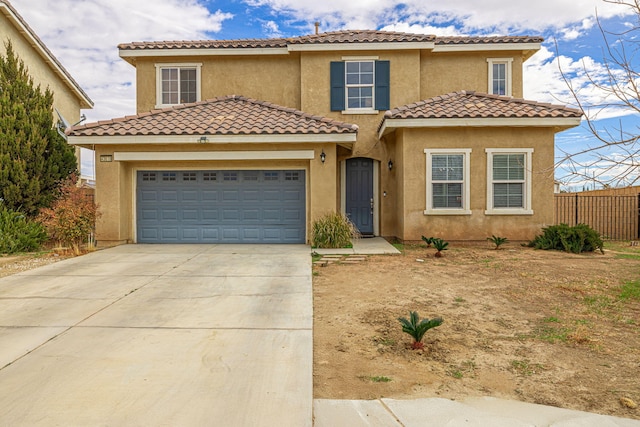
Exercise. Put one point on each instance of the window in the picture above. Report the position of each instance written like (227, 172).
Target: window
(500, 76)
(189, 176)
(169, 176)
(271, 176)
(177, 83)
(448, 182)
(359, 85)
(509, 181)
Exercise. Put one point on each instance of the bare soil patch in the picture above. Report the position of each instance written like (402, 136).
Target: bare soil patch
(537, 326)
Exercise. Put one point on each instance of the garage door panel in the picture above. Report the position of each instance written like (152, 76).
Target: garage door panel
(221, 206)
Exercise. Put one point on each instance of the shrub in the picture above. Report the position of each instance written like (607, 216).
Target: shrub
(417, 328)
(71, 218)
(17, 233)
(333, 230)
(497, 240)
(576, 239)
(440, 245)
(428, 240)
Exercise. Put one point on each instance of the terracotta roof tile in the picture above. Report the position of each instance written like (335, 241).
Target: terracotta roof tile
(468, 104)
(229, 115)
(335, 37)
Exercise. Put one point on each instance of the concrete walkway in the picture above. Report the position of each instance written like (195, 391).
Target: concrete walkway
(363, 246)
(160, 335)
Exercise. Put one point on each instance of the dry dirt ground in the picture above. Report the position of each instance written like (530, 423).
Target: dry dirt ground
(538, 326)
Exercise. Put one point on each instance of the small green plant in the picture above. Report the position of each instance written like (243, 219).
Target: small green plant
(417, 328)
(630, 291)
(18, 233)
(375, 379)
(428, 240)
(497, 240)
(333, 230)
(576, 239)
(440, 245)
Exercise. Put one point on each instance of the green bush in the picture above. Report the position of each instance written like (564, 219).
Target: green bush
(17, 233)
(417, 328)
(333, 230)
(576, 239)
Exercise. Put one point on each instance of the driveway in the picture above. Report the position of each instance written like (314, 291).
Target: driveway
(161, 335)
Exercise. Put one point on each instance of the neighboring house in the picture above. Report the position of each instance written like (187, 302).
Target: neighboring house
(44, 68)
(252, 140)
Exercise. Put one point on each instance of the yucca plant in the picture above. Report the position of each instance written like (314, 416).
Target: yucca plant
(417, 328)
(428, 240)
(440, 245)
(497, 240)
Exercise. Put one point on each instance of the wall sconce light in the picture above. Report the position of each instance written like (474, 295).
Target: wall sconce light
(390, 164)
(323, 156)
(203, 139)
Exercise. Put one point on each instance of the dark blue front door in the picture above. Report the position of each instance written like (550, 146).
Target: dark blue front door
(359, 203)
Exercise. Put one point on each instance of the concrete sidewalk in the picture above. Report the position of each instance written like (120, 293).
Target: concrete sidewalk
(479, 411)
(174, 335)
(363, 246)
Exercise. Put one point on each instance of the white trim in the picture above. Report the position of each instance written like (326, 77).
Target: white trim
(508, 62)
(180, 65)
(527, 209)
(17, 20)
(134, 53)
(194, 139)
(486, 47)
(326, 47)
(466, 182)
(361, 111)
(360, 58)
(131, 156)
(390, 124)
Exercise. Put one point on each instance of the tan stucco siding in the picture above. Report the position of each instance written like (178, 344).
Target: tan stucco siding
(266, 78)
(63, 99)
(478, 225)
(443, 73)
(116, 199)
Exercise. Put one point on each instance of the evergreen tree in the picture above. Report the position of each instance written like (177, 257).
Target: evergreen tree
(34, 158)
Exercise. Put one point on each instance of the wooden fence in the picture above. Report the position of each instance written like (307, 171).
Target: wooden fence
(615, 217)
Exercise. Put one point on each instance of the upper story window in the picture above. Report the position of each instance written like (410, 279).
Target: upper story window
(509, 181)
(360, 85)
(177, 84)
(500, 76)
(448, 181)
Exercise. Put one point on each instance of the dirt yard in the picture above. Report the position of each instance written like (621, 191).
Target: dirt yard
(537, 326)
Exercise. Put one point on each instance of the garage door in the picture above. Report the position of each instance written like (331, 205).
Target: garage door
(236, 206)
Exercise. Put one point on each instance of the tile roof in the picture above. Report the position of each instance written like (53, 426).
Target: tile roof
(469, 104)
(229, 115)
(335, 37)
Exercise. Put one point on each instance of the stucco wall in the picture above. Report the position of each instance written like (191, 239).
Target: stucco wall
(266, 78)
(116, 199)
(478, 225)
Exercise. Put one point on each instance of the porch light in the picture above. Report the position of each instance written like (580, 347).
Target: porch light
(390, 164)
(323, 156)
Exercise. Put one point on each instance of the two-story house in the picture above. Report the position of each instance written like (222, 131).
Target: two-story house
(44, 68)
(251, 140)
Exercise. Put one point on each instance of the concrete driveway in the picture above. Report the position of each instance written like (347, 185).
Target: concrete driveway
(161, 335)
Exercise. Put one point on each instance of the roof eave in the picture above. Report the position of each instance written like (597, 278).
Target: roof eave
(528, 49)
(559, 123)
(341, 138)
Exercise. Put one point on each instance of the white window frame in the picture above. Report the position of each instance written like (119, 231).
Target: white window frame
(347, 86)
(526, 197)
(160, 67)
(466, 183)
(508, 74)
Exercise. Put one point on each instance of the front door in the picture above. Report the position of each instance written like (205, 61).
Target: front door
(359, 194)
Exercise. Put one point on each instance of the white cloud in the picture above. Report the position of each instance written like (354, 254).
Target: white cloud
(84, 36)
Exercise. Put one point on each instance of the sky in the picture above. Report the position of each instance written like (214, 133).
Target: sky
(84, 34)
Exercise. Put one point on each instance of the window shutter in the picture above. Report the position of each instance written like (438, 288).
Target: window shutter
(337, 86)
(382, 85)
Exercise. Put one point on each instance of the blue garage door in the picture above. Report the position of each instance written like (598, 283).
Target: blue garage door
(221, 206)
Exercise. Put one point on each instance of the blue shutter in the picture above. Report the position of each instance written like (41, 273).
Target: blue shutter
(337, 86)
(382, 85)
